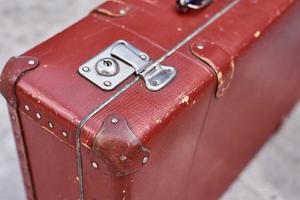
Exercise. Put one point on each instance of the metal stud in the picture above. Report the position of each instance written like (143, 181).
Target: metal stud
(114, 120)
(145, 160)
(86, 69)
(95, 165)
(26, 107)
(38, 115)
(51, 125)
(143, 57)
(123, 158)
(200, 46)
(122, 12)
(65, 134)
(107, 83)
(154, 83)
(31, 62)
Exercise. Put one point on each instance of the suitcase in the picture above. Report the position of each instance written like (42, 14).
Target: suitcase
(140, 101)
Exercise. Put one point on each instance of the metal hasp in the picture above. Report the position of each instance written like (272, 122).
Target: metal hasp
(184, 5)
(119, 61)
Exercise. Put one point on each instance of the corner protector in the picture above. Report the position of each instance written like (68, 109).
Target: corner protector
(113, 8)
(116, 149)
(218, 60)
(14, 69)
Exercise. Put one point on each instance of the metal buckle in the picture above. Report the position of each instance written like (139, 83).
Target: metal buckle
(120, 60)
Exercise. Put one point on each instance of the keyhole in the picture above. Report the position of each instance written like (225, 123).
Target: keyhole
(107, 67)
(107, 63)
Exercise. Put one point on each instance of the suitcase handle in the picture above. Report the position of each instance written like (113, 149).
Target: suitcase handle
(184, 5)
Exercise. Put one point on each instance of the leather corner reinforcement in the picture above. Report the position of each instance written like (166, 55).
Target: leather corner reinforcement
(218, 60)
(116, 149)
(15, 68)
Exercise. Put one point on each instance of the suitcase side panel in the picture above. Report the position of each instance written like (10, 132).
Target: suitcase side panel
(54, 170)
(263, 91)
(52, 162)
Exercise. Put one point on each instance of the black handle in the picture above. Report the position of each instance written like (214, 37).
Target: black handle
(184, 5)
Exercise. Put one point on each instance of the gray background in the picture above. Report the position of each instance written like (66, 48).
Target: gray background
(272, 175)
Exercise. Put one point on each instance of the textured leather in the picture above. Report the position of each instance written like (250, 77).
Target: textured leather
(15, 68)
(113, 8)
(219, 61)
(116, 149)
(198, 143)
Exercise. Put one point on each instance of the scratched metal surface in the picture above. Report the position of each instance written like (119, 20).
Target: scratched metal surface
(273, 174)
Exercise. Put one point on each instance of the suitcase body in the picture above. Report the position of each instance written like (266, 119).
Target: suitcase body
(222, 80)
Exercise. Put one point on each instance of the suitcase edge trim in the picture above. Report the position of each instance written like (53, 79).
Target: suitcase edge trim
(15, 68)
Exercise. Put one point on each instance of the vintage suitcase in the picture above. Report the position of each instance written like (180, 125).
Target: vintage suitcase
(139, 101)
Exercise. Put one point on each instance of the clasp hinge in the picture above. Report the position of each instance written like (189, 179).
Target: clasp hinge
(119, 61)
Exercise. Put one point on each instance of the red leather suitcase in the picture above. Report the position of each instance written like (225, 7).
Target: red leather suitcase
(140, 101)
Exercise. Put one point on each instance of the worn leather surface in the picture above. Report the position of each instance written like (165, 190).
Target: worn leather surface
(15, 68)
(264, 88)
(194, 138)
(22, 153)
(113, 8)
(116, 149)
(219, 61)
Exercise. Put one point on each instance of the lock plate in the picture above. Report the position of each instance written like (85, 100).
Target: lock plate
(120, 60)
(92, 69)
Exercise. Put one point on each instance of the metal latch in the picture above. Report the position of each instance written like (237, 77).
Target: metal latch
(119, 61)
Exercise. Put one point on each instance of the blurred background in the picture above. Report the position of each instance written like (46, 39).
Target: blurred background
(273, 175)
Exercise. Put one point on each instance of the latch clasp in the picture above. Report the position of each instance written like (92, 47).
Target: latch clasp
(119, 61)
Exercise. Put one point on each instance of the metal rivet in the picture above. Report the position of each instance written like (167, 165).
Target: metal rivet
(94, 165)
(31, 62)
(65, 134)
(86, 69)
(143, 57)
(107, 83)
(145, 160)
(26, 107)
(123, 158)
(154, 83)
(114, 120)
(200, 46)
(38, 115)
(51, 125)
(122, 12)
